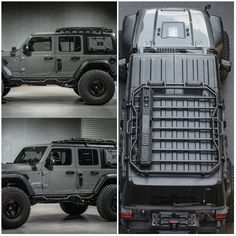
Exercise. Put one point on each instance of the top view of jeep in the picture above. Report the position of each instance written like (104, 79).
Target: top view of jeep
(75, 173)
(175, 173)
(81, 58)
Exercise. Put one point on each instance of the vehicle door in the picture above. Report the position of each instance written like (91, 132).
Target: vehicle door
(69, 54)
(37, 58)
(89, 169)
(59, 176)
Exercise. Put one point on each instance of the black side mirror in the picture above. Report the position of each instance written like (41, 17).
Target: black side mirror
(26, 50)
(13, 51)
(49, 163)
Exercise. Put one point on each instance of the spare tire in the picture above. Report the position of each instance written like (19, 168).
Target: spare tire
(96, 87)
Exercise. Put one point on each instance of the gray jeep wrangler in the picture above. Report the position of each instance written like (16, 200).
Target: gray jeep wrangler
(74, 173)
(80, 58)
(175, 173)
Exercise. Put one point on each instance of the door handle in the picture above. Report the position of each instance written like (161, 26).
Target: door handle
(70, 172)
(94, 172)
(75, 58)
(59, 65)
(48, 58)
(80, 179)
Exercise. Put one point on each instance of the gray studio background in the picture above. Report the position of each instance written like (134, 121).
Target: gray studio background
(226, 11)
(19, 19)
(20, 132)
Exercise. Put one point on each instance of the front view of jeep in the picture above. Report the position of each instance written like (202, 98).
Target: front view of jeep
(175, 175)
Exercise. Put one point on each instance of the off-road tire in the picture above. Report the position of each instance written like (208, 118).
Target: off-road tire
(6, 91)
(72, 208)
(14, 198)
(225, 55)
(104, 202)
(76, 91)
(88, 81)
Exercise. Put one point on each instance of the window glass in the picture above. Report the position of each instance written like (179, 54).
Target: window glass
(110, 158)
(61, 157)
(69, 44)
(38, 44)
(88, 157)
(173, 30)
(30, 155)
(98, 43)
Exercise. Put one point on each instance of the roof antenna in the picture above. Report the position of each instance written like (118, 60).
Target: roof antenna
(207, 7)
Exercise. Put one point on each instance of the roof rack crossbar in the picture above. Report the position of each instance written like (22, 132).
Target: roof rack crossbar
(84, 30)
(86, 141)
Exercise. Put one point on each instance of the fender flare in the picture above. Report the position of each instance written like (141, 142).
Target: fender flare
(90, 62)
(22, 179)
(6, 72)
(103, 180)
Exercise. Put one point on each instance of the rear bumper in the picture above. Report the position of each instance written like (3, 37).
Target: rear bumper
(184, 221)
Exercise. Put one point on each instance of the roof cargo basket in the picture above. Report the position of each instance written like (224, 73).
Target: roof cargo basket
(178, 129)
(86, 142)
(84, 30)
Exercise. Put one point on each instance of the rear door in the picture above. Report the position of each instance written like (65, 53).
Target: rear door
(89, 169)
(69, 54)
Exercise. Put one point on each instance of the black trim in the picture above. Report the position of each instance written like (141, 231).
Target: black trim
(23, 178)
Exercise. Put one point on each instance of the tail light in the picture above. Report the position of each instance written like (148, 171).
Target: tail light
(221, 214)
(127, 215)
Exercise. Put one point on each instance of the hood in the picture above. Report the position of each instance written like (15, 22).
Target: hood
(6, 53)
(15, 167)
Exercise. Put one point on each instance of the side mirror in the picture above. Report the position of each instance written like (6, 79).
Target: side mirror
(26, 50)
(13, 51)
(49, 163)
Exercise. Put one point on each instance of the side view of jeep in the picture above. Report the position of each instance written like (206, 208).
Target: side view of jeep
(81, 58)
(175, 172)
(75, 173)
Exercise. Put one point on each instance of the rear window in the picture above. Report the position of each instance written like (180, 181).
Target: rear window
(96, 44)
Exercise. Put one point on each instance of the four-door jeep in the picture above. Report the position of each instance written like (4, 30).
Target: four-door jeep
(81, 58)
(175, 173)
(75, 173)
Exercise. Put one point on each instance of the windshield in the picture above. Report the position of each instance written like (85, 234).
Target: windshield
(30, 155)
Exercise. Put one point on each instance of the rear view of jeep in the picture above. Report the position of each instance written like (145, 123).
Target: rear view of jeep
(175, 174)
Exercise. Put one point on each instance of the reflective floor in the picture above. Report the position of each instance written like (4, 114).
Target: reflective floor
(52, 102)
(50, 219)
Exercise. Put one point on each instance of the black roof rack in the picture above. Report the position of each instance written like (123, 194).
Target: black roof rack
(86, 142)
(84, 30)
